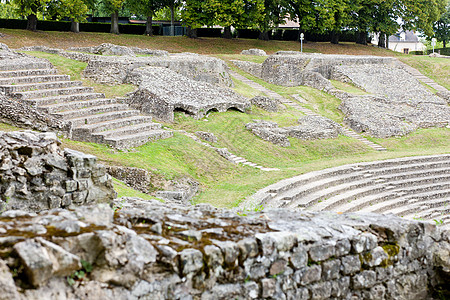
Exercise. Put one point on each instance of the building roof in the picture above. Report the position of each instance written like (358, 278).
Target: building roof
(410, 37)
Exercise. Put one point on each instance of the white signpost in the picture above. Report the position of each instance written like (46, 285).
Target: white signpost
(302, 37)
(433, 43)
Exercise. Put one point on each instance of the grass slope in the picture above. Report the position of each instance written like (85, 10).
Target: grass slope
(223, 183)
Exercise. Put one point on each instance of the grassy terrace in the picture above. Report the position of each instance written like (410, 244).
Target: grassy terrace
(222, 183)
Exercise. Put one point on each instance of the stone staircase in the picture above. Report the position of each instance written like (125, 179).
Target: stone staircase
(94, 117)
(416, 187)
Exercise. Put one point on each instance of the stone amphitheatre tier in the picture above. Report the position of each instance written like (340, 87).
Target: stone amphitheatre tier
(94, 118)
(414, 187)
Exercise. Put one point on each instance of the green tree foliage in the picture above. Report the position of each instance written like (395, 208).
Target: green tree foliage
(147, 8)
(8, 11)
(441, 27)
(273, 15)
(420, 15)
(236, 13)
(30, 9)
(113, 7)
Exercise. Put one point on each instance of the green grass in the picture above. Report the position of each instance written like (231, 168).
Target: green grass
(223, 183)
(347, 87)
(125, 191)
(436, 68)
(75, 69)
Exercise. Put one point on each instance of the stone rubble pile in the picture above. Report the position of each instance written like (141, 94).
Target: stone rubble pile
(114, 70)
(149, 250)
(252, 68)
(257, 52)
(36, 174)
(265, 103)
(310, 128)
(110, 64)
(400, 103)
(162, 91)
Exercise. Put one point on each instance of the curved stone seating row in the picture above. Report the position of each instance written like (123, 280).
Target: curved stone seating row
(413, 187)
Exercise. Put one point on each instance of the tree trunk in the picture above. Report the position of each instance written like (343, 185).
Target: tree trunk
(227, 32)
(148, 26)
(263, 35)
(75, 26)
(115, 22)
(387, 41)
(444, 42)
(32, 22)
(192, 33)
(382, 40)
(172, 20)
(361, 38)
(335, 37)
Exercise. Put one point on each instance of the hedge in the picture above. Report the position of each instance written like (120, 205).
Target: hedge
(86, 27)
(442, 51)
(209, 32)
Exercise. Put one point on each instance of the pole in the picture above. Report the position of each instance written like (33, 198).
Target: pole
(302, 36)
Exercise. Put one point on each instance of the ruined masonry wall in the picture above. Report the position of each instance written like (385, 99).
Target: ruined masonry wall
(150, 250)
(36, 174)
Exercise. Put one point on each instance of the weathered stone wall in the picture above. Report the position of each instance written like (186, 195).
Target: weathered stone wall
(162, 91)
(252, 68)
(36, 174)
(288, 68)
(149, 250)
(115, 70)
(22, 115)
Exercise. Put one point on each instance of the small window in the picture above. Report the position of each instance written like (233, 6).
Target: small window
(406, 51)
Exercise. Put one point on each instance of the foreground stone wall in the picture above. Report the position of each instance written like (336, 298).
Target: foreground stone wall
(149, 250)
(36, 174)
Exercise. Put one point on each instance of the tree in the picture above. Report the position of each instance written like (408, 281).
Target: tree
(114, 6)
(195, 15)
(75, 10)
(273, 15)
(304, 12)
(147, 8)
(441, 27)
(237, 13)
(335, 16)
(172, 5)
(30, 9)
(420, 15)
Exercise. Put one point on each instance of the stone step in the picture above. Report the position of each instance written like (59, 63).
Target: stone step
(104, 136)
(436, 209)
(135, 140)
(413, 195)
(79, 121)
(386, 174)
(333, 199)
(105, 126)
(60, 99)
(361, 204)
(425, 201)
(39, 86)
(33, 79)
(91, 111)
(297, 181)
(130, 130)
(23, 64)
(73, 105)
(53, 92)
(23, 73)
